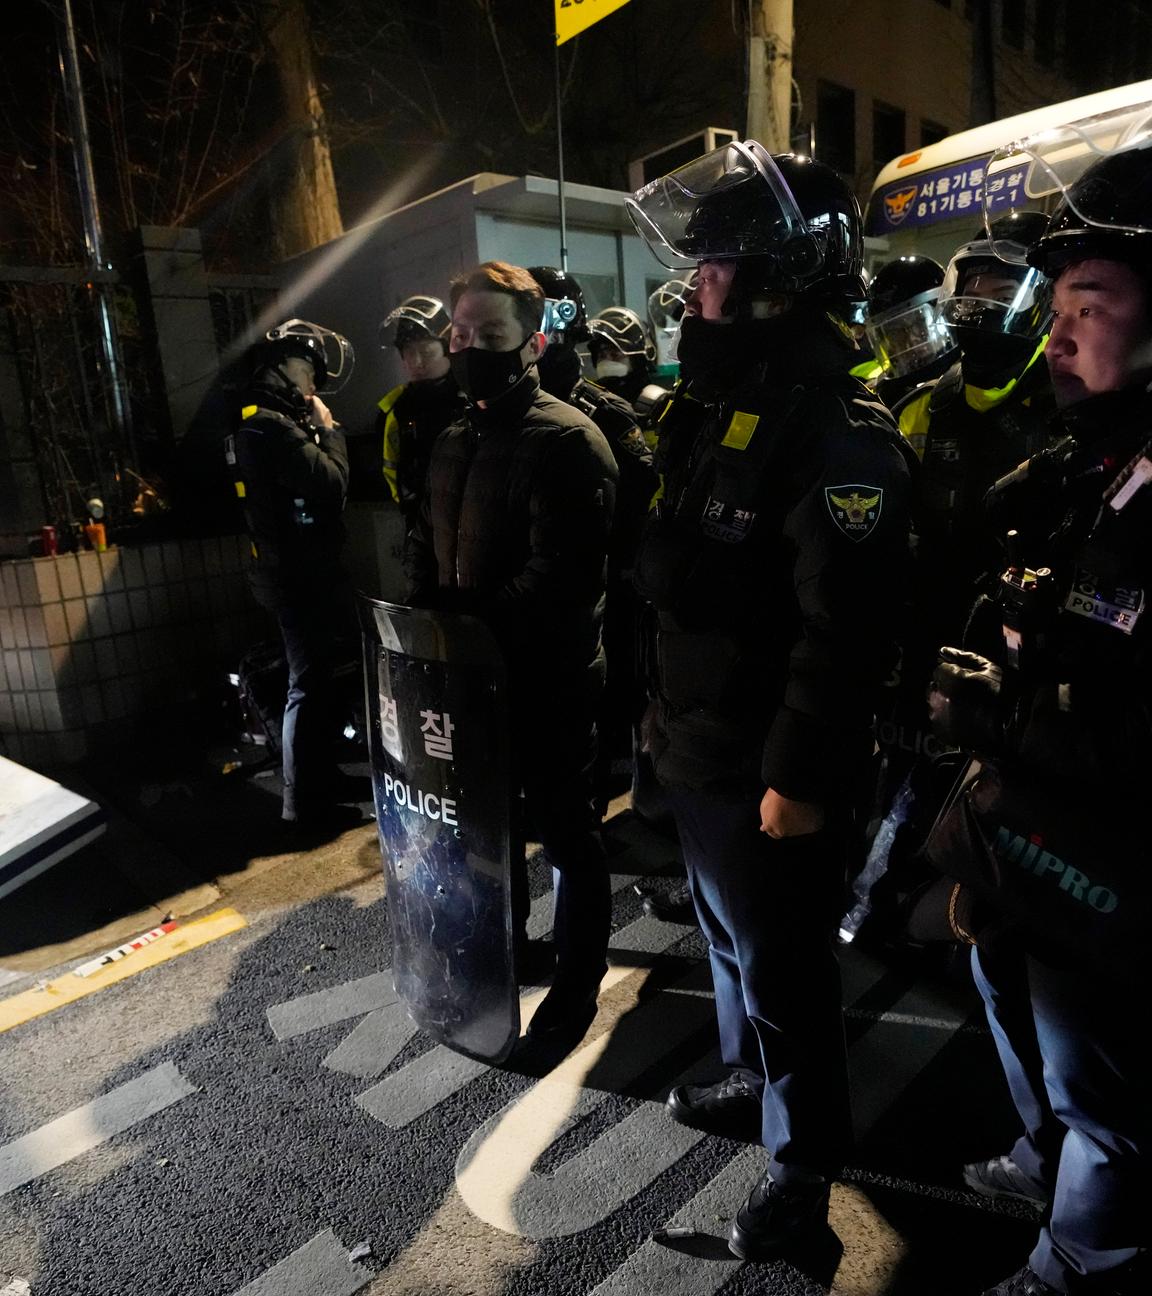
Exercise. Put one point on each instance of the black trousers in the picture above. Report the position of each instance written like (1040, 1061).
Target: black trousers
(311, 618)
(553, 755)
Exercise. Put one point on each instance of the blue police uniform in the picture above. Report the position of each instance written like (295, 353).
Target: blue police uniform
(775, 563)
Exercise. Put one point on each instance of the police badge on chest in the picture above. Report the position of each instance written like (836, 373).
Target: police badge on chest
(726, 522)
(1113, 605)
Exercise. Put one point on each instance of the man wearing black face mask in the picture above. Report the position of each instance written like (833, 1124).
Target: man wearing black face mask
(774, 562)
(514, 528)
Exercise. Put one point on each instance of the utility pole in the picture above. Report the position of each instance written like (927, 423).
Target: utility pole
(112, 367)
(770, 34)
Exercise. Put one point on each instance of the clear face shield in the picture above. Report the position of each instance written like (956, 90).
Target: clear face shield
(732, 202)
(415, 317)
(909, 336)
(620, 328)
(665, 311)
(334, 349)
(1041, 171)
(982, 291)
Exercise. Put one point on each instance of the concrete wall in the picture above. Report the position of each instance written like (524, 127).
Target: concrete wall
(87, 641)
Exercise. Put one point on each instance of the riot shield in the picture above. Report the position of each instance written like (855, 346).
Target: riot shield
(436, 705)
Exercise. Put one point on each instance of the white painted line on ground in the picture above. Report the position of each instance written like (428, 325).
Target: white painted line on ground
(882, 1069)
(318, 1268)
(494, 1172)
(654, 1267)
(950, 1024)
(338, 1003)
(418, 1087)
(69, 1136)
(371, 1048)
(428, 1080)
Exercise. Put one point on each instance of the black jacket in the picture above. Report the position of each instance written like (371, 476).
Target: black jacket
(514, 528)
(292, 479)
(1059, 807)
(638, 478)
(777, 562)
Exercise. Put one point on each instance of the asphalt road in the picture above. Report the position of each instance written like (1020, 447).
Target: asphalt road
(243, 1119)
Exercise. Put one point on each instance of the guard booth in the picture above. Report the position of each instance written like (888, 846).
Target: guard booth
(351, 283)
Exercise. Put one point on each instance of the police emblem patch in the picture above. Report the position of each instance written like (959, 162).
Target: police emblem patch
(855, 509)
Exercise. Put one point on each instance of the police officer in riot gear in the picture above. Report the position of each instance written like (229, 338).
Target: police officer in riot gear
(665, 311)
(414, 414)
(290, 467)
(904, 329)
(1054, 703)
(775, 561)
(622, 354)
(986, 414)
(566, 325)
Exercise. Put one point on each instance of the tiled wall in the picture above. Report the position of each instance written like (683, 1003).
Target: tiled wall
(88, 640)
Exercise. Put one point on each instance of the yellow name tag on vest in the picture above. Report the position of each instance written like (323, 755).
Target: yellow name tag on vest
(248, 411)
(241, 492)
(740, 431)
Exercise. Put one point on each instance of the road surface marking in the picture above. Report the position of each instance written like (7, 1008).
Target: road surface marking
(318, 1268)
(325, 1007)
(372, 1047)
(494, 1173)
(653, 1267)
(85, 1128)
(29, 1004)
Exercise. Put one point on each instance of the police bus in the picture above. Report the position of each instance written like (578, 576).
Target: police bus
(931, 201)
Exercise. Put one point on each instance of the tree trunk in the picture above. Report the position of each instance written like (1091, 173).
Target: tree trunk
(305, 205)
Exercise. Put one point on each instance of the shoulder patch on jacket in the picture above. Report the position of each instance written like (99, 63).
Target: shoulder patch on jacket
(740, 430)
(855, 508)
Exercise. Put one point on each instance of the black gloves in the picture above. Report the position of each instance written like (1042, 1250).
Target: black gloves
(966, 704)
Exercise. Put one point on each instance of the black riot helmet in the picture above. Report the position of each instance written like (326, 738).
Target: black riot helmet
(903, 325)
(899, 282)
(565, 315)
(1094, 174)
(622, 328)
(791, 223)
(329, 353)
(416, 319)
(985, 294)
(1105, 213)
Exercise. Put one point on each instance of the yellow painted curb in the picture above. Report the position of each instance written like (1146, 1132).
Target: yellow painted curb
(29, 1004)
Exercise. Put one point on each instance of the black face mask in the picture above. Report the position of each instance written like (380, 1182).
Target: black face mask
(488, 375)
(716, 356)
(990, 359)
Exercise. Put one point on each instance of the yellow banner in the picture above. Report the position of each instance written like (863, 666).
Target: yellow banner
(575, 16)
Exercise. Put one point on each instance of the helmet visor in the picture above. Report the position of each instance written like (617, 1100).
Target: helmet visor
(333, 351)
(666, 304)
(621, 328)
(732, 202)
(416, 317)
(1042, 170)
(909, 336)
(982, 291)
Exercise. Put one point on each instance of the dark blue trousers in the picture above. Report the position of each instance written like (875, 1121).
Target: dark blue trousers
(1074, 1048)
(770, 911)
